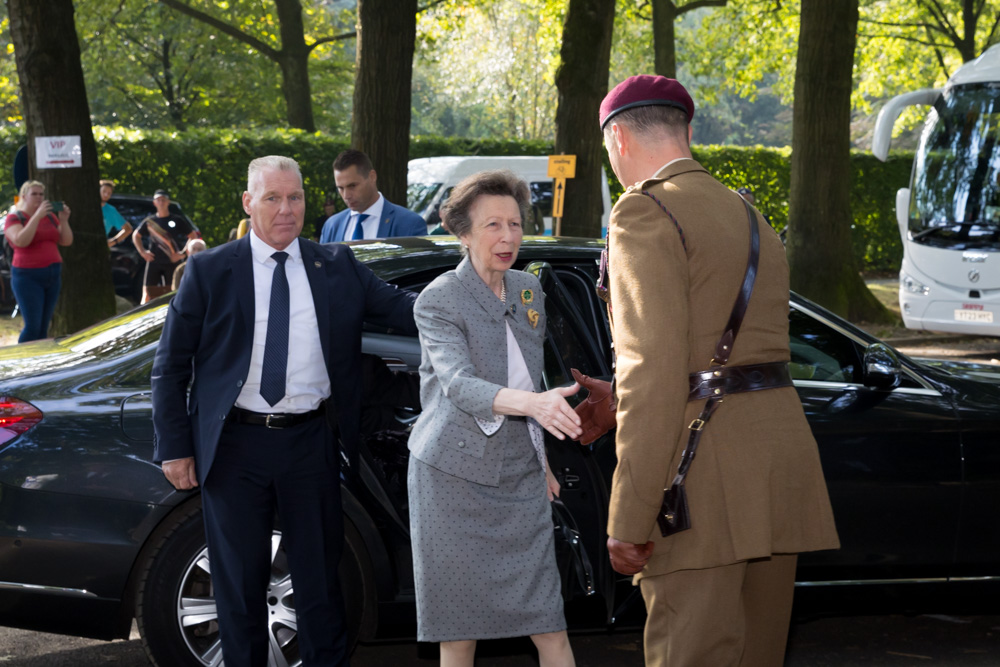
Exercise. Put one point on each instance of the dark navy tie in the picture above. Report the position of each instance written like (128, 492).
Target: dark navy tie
(272, 376)
(359, 231)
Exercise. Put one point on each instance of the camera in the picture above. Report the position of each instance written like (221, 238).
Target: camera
(56, 206)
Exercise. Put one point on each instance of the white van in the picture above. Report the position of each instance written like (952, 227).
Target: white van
(431, 180)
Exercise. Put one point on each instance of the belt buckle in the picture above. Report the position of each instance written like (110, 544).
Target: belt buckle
(697, 424)
(267, 422)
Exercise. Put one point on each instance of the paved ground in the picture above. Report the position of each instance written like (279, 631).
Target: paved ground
(884, 641)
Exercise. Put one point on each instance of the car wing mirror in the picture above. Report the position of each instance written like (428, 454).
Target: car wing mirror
(883, 369)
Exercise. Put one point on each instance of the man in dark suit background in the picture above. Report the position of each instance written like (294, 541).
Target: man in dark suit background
(249, 324)
(368, 215)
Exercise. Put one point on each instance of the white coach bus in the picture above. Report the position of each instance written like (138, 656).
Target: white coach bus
(949, 217)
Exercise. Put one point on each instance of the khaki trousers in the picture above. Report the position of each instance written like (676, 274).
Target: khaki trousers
(735, 615)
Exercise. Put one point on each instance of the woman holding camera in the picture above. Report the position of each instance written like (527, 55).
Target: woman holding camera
(35, 231)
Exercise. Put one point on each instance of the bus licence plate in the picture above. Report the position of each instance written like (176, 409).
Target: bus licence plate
(973, 315)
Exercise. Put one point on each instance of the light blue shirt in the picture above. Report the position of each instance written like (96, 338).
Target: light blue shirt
(113, 220)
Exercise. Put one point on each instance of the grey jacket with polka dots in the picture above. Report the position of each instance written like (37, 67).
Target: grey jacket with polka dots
(464, 364)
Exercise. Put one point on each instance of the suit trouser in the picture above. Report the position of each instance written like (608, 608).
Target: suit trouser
(295, 471)
(723, 616)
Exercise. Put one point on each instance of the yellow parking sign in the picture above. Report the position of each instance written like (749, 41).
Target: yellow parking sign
(561, 167)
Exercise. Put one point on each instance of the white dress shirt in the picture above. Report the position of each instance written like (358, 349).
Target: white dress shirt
(370, 224)
(307, 382)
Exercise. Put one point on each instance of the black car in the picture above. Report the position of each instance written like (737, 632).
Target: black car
(127, 266)
(92, 536)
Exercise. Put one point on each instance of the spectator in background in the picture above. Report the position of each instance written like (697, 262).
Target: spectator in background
(329, 208)
(35, 231)
(115, 226)
(157, 239)
(243, 228)
(193, 247)
(368, 215)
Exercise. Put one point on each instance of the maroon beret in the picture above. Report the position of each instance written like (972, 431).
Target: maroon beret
(644, 91)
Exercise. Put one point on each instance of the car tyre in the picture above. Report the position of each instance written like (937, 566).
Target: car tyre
(175, 608)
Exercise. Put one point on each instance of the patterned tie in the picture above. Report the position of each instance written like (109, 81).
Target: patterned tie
(359, 231)
(272, 376)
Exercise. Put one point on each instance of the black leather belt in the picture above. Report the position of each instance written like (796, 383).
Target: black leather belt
(274, 420)
(725, 380)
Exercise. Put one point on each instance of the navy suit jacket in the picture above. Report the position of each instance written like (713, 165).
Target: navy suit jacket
(396, 221)
(208, 336)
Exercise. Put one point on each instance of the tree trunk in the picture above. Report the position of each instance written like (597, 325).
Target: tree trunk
(380, 126)
(664, 48)
(582, 81)
(293, 58)
(820, 256)
(294, 61)
(54, 103)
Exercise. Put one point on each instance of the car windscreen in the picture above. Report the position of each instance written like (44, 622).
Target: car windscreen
(420, 195)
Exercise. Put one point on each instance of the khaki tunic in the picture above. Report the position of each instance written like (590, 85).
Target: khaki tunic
(756, 486)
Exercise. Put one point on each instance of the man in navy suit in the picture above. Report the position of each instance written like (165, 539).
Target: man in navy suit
(250, 324)
(368, 215)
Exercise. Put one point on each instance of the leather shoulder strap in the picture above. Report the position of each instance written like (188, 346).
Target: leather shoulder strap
(725, 345)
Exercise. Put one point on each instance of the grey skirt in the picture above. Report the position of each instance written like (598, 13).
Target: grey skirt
(484, 560)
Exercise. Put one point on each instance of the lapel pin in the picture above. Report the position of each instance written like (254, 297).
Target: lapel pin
(318, 264)
(527, 297)
(533, 317)
(513, 309)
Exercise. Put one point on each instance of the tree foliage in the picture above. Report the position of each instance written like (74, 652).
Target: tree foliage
(487, 68)
(280, 37)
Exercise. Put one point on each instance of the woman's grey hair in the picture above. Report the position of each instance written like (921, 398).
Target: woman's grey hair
(276, 162)
(23, 192)
(502, 182)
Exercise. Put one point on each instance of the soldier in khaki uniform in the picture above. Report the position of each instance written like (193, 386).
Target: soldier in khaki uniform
(719, 593)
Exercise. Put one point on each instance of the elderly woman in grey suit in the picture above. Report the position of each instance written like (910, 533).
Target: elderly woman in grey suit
(483, 548)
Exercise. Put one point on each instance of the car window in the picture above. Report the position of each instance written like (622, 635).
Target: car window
(819, 352)
(419, 195)
(579, 285)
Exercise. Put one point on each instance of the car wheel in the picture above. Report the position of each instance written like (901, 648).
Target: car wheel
(176, 613)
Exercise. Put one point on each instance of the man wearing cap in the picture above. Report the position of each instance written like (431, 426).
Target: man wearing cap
(160, 240)
(368, 215)
(720, 592)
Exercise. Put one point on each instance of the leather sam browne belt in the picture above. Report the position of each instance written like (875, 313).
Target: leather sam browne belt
(724, 380)
(273, 420)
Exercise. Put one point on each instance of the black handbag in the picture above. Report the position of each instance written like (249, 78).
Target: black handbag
(675, 515)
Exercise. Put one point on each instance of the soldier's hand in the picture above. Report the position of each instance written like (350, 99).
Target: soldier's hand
(627, 558)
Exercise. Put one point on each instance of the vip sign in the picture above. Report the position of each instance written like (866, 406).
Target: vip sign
(57, 152)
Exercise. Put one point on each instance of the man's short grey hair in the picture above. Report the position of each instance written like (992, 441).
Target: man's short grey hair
(651, 122)
(276, 162)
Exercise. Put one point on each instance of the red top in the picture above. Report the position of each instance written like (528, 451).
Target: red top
(43, 250)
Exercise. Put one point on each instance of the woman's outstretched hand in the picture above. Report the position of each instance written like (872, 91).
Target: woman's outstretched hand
(555, 415)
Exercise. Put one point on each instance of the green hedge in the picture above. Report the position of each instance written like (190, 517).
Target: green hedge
(205, 170)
